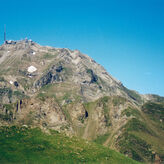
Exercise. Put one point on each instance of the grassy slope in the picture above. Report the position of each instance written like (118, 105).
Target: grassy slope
(142, 137)
(24, 145)
(154, 116)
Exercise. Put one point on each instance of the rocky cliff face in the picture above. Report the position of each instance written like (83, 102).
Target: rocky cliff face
(65, 90)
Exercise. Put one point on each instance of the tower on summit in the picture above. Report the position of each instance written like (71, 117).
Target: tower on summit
(4, 33)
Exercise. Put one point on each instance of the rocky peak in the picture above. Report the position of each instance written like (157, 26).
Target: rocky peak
(57, 65)
(23, 45)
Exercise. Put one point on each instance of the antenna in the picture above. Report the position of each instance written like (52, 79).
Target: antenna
(4, 33)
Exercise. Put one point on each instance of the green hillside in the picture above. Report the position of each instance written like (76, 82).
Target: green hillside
(142, 136)
(25, 145)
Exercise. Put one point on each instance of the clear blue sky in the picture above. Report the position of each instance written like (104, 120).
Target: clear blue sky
(125, 36)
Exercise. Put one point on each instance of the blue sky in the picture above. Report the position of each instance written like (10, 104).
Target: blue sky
(125, 36)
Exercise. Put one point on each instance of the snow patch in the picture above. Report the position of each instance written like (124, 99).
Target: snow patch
(31, 69)
(11, 82)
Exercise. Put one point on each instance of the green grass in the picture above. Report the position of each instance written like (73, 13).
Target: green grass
(132, 142)
(66, 113)
(32, 146)
(8, 106)
(117, 100)
(8, 114)
(4, 91)
(46, 91)
(90, 106)
(25, 83)
(155, 111)
(101, 139)
(2, 79)
(41, 96)
(106, 109)
(19, 95)
(139, 126)
(10, 93)
(130, 112)
(140, 138)
(135, 147)
(48, 56)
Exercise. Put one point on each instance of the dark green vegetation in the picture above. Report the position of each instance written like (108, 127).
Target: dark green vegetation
(5, 91)
(101, 139)
(8, 115)
(135, 147)
(104, 102)
(137, 125)
(25, 145)
(142, 137)
(155, 111)
(130, 112)
(8, 92)
(2, 79)
(19, 95)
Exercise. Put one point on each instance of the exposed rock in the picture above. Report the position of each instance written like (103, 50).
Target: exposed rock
(59, 69)
(16, 83)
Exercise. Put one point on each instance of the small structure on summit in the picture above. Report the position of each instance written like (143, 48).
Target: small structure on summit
(4, 33)
(12, 42)
(31, 69)
(7, 41)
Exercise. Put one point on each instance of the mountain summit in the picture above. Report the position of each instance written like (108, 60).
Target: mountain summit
(65, 90)
(47, 65)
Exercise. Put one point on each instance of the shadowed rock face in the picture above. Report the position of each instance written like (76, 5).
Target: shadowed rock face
(69, 92)
(52, 76)
(59, 69)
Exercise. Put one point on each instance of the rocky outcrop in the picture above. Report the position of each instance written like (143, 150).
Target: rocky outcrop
(53, 75)
(5, 95)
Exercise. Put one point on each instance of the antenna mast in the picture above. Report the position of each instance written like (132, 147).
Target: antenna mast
(4, 33)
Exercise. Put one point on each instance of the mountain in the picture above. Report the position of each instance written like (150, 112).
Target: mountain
(65, 90)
